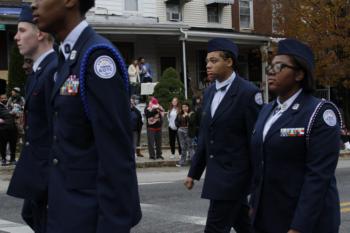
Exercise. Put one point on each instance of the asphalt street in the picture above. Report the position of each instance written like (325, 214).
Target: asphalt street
(167, 207)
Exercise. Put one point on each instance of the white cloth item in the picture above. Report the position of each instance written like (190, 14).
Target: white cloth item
(72, 37)
(219, 95)
(134, 73)
(347, 145)
(37, 62)
(171, 118)
(281, 108)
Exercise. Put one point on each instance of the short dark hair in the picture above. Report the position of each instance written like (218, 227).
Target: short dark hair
(226, 55)
(308, 81)
(85, 6)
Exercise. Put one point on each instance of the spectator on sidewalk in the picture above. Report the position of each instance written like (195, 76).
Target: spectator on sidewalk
(27, 66)
(154, 117)
(136, 124)
(16, 106)
(134, 77)
(174, 110)
(195, 120)
(145, 71)
(345, 137)
(8, 131)
(182, 123)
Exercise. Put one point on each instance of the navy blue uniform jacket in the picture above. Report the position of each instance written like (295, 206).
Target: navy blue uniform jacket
(29, 180)
(92, 184)
(223, 145)
(295, 183)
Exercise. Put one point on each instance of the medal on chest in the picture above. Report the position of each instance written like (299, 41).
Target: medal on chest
(70, 86)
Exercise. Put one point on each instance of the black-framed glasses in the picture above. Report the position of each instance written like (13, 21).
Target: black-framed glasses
(278, 67)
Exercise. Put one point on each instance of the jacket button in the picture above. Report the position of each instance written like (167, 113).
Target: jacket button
(211, 141)
(55, 138)
(55, 161)
(27, 127)
(27, 144)
(56, 114)
(211, 156)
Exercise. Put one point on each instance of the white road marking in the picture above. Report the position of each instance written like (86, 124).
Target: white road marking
(12, 227)
(160, 182)
(150, 208)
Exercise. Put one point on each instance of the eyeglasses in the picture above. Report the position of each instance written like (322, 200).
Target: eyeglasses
(276, 68)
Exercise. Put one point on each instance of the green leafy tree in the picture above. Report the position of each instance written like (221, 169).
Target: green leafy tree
(169, 86)
(16, 76)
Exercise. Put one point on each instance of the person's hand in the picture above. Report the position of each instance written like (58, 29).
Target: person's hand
(251, 212)
(293, 231)
(189, 183)
(2, 121)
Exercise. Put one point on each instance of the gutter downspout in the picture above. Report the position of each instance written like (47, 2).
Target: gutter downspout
(184, 61)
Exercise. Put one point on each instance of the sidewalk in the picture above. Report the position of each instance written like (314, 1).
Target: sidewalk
(144, 162)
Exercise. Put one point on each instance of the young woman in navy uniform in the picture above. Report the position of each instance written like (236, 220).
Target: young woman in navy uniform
(295, 149)
(92, 183)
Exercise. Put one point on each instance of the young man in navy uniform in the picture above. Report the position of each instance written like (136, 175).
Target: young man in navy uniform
(230, 108)
(29, 180)
(92, 183)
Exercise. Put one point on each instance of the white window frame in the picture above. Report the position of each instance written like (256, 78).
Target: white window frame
(132, 11)
(170, 11)
(219, 14)
(251, 16)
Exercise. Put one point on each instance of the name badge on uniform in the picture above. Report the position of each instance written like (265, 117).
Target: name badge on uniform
(70, 86)
(292, 132)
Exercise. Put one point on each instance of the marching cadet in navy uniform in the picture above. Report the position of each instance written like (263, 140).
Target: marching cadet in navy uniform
(29, 180)
(92, 183)
(295, 147)
(230, 108)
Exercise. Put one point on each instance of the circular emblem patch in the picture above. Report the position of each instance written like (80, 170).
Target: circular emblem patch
(329, 117)
(259, 98)
(105, 67)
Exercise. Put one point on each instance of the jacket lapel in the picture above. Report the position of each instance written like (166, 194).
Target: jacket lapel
(227, 100)
(64, 71)
(286, 117)
(260, 124)
(206, 114)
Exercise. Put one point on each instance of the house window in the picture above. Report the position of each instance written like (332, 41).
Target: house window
(213, 13)
(246, 14)
(173, 12)
(131, 5)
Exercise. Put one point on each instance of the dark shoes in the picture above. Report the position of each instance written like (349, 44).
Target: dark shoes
(160, 157)
(13, 162)
(3, 162)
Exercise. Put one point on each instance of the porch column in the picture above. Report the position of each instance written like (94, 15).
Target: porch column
(184, 62)
(264, 63)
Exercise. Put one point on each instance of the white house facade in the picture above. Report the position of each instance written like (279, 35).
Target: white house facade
(174, 33)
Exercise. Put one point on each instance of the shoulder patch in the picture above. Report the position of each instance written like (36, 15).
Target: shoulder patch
(105, 67)
(329, 117)
(258, 98)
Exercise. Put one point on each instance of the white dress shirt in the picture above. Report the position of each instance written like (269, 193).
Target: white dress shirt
(219, 95)
(278, 111)
(72, 37)
(37, 62)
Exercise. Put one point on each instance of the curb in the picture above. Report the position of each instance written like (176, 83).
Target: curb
(163, 163)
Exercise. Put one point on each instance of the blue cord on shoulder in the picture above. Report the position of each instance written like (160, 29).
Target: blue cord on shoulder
(120, 64)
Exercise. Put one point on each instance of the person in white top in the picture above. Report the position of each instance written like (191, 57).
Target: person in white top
(174, 109)
(134, 76)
